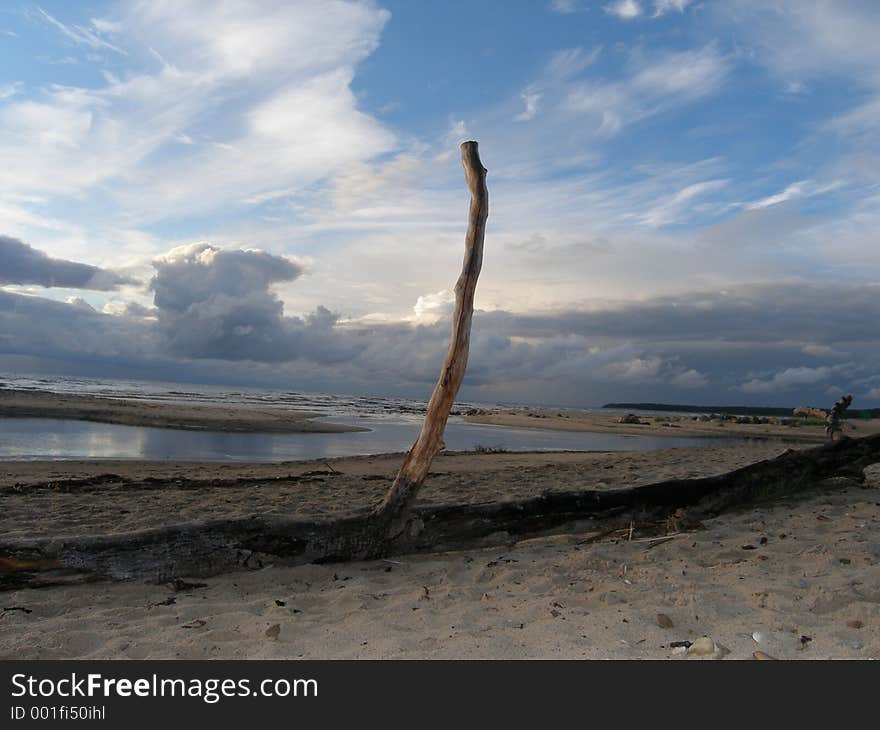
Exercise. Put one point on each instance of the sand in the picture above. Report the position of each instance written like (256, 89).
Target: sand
(662, 424)
(805, 575)
(95, 497)
(16, 403)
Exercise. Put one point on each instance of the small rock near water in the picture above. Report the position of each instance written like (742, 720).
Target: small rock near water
(664, 622)
(273, 631)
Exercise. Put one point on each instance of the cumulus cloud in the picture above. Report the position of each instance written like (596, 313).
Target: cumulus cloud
(430, 308)
(217, 303)
(23, 264)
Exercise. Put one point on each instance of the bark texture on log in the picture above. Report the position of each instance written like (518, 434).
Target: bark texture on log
(394, 511)
(219, 546)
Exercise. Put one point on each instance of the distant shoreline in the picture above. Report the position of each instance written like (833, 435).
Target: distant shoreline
(730, 410)
(694, 426)
(15, 403)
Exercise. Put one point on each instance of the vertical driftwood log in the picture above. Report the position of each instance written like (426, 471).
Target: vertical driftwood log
(395, 508)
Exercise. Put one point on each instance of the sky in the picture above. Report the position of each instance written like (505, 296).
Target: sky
(684, 195)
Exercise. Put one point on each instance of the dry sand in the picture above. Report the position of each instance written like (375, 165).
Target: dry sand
(662, 424)
(808, 569)
(156, 414)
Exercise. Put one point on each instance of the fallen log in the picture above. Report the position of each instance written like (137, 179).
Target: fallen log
(218, 546)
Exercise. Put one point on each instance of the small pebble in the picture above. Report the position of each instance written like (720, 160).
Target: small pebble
(664, 622)
(854, 624)
(704, 646)
(759, 637)
(273, 631)
(762, 656)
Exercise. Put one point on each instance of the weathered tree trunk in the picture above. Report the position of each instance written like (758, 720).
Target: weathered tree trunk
(253, 541)
(393, 513)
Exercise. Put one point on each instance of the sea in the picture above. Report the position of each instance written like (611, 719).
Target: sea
(393, 425)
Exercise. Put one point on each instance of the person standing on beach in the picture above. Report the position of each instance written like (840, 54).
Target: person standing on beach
(833, 423)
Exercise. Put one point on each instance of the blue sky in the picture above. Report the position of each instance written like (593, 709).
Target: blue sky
(710, 167)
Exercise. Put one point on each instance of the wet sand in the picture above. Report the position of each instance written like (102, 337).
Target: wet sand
(187, 416)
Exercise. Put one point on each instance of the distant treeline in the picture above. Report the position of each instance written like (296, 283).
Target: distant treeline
(732, 410)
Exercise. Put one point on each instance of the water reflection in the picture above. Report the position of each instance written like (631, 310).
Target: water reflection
(37, 438)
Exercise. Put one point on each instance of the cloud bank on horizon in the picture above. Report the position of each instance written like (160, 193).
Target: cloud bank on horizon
(685, 196)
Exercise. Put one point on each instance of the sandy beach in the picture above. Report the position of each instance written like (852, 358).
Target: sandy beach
(16, 403)
(803, 577)
(663, 424)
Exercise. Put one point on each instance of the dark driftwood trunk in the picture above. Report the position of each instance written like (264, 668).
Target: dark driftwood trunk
(218, 546)
(393, 514)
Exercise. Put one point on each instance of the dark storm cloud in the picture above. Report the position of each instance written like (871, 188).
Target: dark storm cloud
(764, 313)
(23, 264)
(214, 303)
(215, 312)
(41, 327)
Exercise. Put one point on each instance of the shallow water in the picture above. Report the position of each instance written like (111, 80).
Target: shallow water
(41, 438)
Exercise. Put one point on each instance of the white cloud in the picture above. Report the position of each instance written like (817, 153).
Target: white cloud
(81, 35)
(787, 379)
(279, 81)
(677, 206)
(795, 190)
(800, 189)
(571, 61)
(660, 83)
(9, 90)
(624, 9)
(531, 99)
(804, 39)
(430, 308)
(661, 7)
(861, 119)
